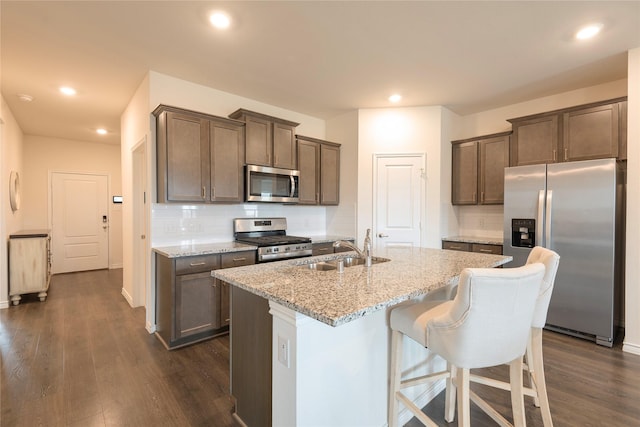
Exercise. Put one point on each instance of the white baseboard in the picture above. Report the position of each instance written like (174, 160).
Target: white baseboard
(631, 348)
(4, 304)
(126, 296)
(150, 328)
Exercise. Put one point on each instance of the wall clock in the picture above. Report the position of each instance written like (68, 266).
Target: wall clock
(14, 191)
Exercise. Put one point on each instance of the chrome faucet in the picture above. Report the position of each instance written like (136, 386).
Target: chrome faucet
(364, 254)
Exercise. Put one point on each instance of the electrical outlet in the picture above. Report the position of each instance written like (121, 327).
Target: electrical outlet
(283, 351)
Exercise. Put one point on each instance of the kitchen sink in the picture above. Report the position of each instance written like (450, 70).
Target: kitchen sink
(347, 262)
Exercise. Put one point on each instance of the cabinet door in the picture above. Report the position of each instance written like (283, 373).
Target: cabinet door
(197, 308)
(309, 164)
(225, 303)
(494, 157)
(186, 173)
(535, 141)
(591, 133)
(329, 174)
(227, 159)
(259, 143)
(486, 249)
(464, 178)
(284, 146)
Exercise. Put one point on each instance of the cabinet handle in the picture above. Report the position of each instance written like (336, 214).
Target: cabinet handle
(317, 196)
(239, 259)
(227, 320)
(488, 251)
(323, 250)
(554, 155)
(474, 196)
(455, 247)
(204, 191)
(196, 264)
(565, 153)
(482, 197)
(213, 193)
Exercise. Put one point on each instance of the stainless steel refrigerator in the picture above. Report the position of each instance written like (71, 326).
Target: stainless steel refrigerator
(577, 210)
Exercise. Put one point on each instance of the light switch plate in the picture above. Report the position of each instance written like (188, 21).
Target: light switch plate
(283, 351)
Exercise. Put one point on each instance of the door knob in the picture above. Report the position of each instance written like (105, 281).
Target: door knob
(382, 235)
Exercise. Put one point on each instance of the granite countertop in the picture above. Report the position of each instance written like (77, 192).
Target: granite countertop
(328, 238)
(337, 298)
(472, 239)
(202, 249)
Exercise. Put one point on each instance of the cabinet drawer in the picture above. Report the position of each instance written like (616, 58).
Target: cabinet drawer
(196, 264)
(486, 249)
(237, 259)
(322, 249)
(456, 246)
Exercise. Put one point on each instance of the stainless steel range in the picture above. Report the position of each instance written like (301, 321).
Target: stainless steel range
(270, 236)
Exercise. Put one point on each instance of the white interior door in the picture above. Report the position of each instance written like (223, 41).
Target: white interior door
(140, 225)
(79, 222)
(398, 200)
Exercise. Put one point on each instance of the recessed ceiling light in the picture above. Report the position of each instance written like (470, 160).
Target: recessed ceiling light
(101, 131)
(395, 98)
(24, 97)
(66, 90)
(220, 20)
(588, 31)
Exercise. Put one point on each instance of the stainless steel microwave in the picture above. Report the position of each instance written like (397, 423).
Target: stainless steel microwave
(265, 184)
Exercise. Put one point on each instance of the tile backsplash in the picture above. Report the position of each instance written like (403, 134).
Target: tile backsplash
(192, 224)
(481, 221)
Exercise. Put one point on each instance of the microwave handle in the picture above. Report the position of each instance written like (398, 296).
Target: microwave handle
(293, 185)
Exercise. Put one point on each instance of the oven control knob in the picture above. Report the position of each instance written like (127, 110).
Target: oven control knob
(274, 250)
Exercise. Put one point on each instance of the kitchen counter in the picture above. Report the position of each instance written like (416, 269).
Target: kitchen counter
(479, 240)
(202, 249)
(320, 339)
(329, 238)
(337, 298)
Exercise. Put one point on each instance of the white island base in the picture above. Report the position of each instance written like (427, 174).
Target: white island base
(338, 376)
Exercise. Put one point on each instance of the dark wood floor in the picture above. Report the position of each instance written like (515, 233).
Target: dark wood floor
(83, 358)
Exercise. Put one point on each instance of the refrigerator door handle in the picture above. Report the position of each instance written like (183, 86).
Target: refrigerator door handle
(547, 231)
(540, 218)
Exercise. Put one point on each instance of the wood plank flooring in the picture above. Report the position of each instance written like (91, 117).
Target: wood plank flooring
(84, 358)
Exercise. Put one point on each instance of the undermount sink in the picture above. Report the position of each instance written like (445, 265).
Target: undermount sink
(347, 262)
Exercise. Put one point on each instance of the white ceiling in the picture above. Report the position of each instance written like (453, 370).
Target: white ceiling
(316, 58)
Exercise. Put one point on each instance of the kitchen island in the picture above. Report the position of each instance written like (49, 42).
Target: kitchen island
(330, 337)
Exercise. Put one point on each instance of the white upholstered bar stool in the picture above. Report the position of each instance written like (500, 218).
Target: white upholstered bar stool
(535, 365)
(486, 324)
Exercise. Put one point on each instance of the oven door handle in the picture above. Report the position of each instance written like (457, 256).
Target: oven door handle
(293, 185)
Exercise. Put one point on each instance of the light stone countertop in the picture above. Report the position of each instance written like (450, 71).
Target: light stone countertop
(472, 239)
(337, 298)
(328, 238)
(202, 249)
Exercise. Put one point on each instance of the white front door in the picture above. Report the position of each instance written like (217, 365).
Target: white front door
(399, 190)
(79, 222)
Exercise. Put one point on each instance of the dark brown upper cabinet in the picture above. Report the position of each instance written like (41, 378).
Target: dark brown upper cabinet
(269, 141)
(319, 164)
(199, 157)
(584, 132)
(477, 169)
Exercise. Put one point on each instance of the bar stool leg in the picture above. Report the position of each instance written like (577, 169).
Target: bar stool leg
(462, 385)
(538, 376)
(450, 394)
(395, 377)
(517, 392)
(531, 371)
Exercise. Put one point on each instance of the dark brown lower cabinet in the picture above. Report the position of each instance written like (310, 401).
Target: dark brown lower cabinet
(191, 305)
(472, 247)
(251, 344)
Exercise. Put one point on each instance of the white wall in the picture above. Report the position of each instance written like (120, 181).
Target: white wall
(342, 219)
(403, 130)
(48, 155)
(632, 279)
(11, 142)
